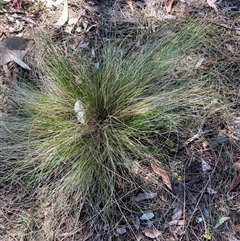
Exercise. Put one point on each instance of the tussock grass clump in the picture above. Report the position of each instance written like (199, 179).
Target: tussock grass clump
(122, 96)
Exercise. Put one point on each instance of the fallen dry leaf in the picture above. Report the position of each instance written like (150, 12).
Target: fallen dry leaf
(177, 222)
(169, 6)
(210, 61)
(13, 49)
(139, 237)
(177, 212)
(51, 3)
(136, 222)
(230, 48)
(130, 4)
(237, 166)
(236, 183)
(221, 221)
(232, 238)
(205, 166)
(199, 63)
(73, 20)
(211, 3)
(163, 174)
(147, 216)
(177, 230)
(152, 233)
(235, 121)
(64, 17)
(205, 145)
(237, 228)
(16, 46)
(121, 230)
(144, 196)
(176, 227)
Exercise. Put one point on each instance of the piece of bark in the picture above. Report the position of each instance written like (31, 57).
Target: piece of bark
(13, 49)
(12, 45)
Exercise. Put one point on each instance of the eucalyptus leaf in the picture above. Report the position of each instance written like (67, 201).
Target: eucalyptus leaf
(219, 139)
(19, 62)
(121, 230)
(221, 221)
(169, 143)
(145, 196)
(79, 110)
(147, 216)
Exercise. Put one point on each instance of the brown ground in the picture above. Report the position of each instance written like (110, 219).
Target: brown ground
(200, 201)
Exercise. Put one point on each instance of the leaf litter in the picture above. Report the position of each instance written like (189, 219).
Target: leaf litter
(212, 4)
(147, 216)
(136, 221)
(236, 182)
(205, 166)
(121, 230)
(152, 233)
(144, 196)
(64, 17)
(13, 49)
(169, 6)
(221, 221)
(163, 174)
(178, 210)
(176, 215)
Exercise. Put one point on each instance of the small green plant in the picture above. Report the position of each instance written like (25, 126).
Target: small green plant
(79, 130)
